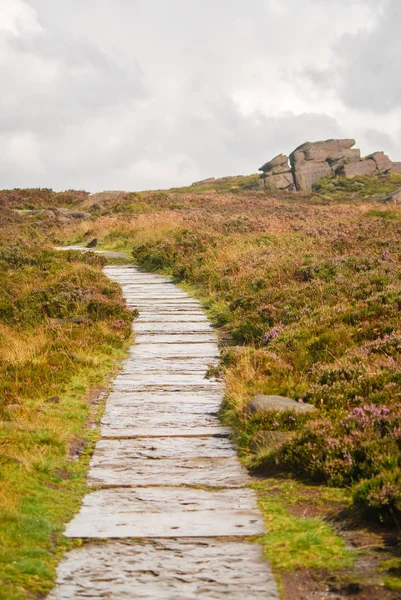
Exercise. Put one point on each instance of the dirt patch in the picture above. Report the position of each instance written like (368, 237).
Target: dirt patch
(319, 585)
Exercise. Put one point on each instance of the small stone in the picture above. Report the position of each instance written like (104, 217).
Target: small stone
(267, 404)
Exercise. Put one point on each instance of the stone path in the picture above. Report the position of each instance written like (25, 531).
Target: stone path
(170, 513)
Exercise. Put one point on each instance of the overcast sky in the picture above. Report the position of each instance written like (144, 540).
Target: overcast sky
(144, 94)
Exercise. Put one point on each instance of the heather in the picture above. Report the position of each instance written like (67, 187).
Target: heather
(305, 293)
(63, 328)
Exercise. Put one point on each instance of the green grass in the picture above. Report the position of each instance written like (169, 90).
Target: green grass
(51, 374)
(295, 542)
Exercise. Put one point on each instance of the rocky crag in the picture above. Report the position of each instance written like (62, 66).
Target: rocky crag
(312, 161)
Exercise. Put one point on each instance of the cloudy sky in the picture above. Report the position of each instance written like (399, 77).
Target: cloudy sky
(144, 94)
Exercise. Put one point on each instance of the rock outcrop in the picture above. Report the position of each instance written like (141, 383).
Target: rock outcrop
(277, 174)
(314, 160)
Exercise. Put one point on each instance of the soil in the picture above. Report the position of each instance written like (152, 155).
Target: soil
(365, 581)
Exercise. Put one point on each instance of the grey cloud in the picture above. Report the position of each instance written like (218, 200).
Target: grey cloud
(369, 63)
(153, 93)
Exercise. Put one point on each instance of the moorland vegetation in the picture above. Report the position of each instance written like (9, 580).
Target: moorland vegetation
(304, 290)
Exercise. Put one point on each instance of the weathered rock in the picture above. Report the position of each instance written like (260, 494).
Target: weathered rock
(349, 156)
(395, 197)
(309, 173)
(320, 151)
(97, 207)
(183, 569)
(92, 243)
(364, 167)
(383, 162)
(278, 161)
(267, 404)
(284, 181)
(395, 167)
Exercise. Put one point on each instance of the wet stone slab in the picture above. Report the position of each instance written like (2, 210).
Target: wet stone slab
(166, 512)
(190, 365)
(158, 432)
(166, 570)
(173, 328)
(131, 418)
(111, 470)
(177, 350)
(154, 449)
(164, 378)
(170, 318)
(171, 401)
(187, 338)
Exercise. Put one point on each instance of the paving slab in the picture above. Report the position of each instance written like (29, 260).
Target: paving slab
(171, 399)
(166, 512)
(157, 432)
(120, 471)
(173, 328)
(187, 338)
(132, 419)
(166, 570)
(141, 407)
(165, 378)
(145, 317)
(185, 364)
(179, 349)
(133, 416)
(154, 449)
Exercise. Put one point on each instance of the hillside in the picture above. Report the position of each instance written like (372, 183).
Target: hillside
(305, 292)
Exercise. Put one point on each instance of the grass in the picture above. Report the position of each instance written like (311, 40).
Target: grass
(64, 328)
(294, 542)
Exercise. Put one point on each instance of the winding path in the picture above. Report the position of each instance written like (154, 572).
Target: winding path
(170, 513)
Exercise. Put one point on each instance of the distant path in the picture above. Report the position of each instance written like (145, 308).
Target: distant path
(155, 526)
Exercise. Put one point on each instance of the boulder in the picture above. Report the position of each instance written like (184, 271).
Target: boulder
(92, 243)
(309, 173)
(364, 167)
(278, 161)
(383, 162)
(267, 404)
(283, 181)
(320, 151)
